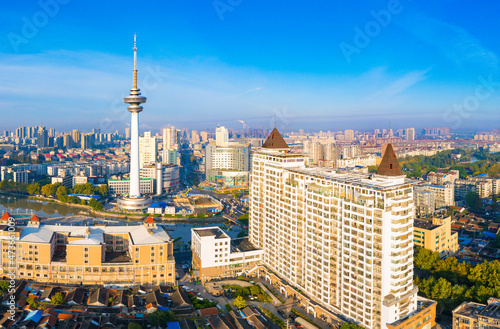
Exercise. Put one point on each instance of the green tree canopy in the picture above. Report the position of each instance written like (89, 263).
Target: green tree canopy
(160, 318)
(57, 299)
(34, 188)
(239, 302)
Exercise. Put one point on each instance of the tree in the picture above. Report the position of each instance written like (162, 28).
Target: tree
(49, 190)
(159, 317)
(57, 299)
(134, 325)
(425, 259)
(4, 285)
(255, 290)
(103, 190)
(62, 193)
(34, 188)
(239, 302)
(32, 302)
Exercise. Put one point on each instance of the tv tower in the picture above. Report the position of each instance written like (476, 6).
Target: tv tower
(135, 201)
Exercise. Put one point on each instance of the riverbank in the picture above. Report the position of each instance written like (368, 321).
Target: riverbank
(115, 215)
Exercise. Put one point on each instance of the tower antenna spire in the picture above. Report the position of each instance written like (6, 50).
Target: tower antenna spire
(135, 62)
(275, 120)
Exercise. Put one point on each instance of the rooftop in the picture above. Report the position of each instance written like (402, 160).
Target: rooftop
(469, 309)
(94, 235)
(424, 224)
(242, 245)
(211, 231)
(355, 178)
(491, 311)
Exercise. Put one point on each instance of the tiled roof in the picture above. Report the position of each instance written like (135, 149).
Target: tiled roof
(389, 165)
(275, 141)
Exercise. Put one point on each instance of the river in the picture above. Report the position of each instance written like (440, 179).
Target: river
(67, 215)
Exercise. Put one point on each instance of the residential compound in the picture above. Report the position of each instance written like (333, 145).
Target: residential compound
(90, 254)
(344, 239)
(216, 255)
(435, 234)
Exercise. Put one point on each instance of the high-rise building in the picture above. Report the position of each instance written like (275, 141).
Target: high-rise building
(42, 138)
(221, 136)
(68, 141)
(349, 134)
(75, 134)
(170, 139)
(195, 137)
(204, 136)
(135, 200)
(52, 132)
(148, 150)
(410, 134)
(127, 133)
(228, 166)
(343, 239)
(87, 141)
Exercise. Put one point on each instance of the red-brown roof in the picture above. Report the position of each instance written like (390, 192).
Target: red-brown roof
(6, 216)
(149, 220)
(208, 311)
(390, 164)
(275, 141)
(34, 218)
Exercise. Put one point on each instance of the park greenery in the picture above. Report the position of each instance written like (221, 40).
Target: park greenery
(488, 163)
(451, 282)
(244, 292)
(239, 302)
(201, 304)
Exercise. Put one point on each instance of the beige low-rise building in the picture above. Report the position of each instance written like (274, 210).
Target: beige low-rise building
(127, 255)
(469, 315)
(435, 234)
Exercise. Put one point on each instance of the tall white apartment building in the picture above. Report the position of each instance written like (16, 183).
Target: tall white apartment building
(410, 134)
(343, 239)
(148, 151)
(169, 139)
(221, 136)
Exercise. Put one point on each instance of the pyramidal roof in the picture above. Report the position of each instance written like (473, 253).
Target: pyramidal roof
(6, 216)
(34, 218)
(390, 164)
(275, 141)
(149, 220)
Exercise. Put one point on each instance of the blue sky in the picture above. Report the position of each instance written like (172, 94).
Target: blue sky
(67, 63)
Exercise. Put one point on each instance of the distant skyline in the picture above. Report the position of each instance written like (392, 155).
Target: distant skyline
(335, 66)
